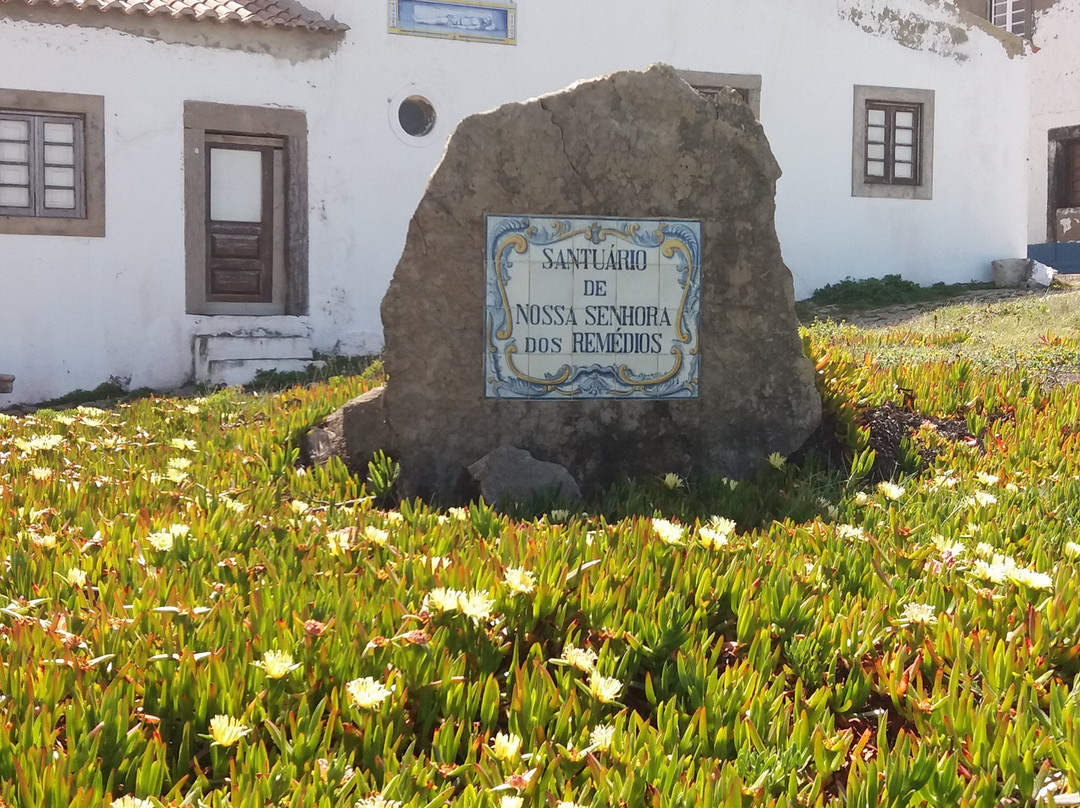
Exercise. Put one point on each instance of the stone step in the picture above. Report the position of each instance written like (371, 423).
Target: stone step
(242, 371)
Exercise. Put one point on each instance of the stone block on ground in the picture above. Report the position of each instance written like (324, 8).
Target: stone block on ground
(509, 474)
(1011, 273)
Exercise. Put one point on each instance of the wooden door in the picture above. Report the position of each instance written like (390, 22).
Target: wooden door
(243, 219)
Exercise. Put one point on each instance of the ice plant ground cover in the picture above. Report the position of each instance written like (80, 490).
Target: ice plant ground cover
(186, 617)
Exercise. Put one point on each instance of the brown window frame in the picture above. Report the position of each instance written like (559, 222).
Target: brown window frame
(1069, 181)
(890, 110)
(87, 219)
(36, 165)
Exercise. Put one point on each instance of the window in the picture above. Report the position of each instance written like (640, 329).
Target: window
(52, 164)
(245, 201)
(1012, 15)
(709, 84)
(893, 143)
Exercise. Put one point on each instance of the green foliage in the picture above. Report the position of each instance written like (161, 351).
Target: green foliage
(801, 637)
(887, 291)
(327, 368)
(382, 475)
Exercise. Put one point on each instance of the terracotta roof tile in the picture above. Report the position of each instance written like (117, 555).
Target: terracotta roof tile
(269, 13)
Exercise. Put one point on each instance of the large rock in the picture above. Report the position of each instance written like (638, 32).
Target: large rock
(633, 145)
(512, 474)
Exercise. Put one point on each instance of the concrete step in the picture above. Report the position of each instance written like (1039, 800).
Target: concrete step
(236, 358)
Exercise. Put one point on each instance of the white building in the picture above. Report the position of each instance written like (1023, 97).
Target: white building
(198, 188)
(1054, 164)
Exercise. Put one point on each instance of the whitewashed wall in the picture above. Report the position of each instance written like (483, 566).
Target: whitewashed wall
(77, 311)
(1055, 98)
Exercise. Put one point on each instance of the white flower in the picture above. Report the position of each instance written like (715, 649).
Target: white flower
(559, 515)
(510, 801)
(980, 499)
(128, 801)
(276, 664)
(161, 540)
(862, 498)
(950, 550)
(41, 473)
(1022, 576)
(996, 570)
(850, 532)
(731, 484)
(604, 688)
(921, 613)
(568, 804)
(226, 730)
(584, 659)
(179, 463)
(946, 480)
(377, 801)
(891, 491)
(76, 577)
(984, 550)
(671, 480)
(506, 746)
(519, 580)
(668, 532)
(830, 510)
(476, 605)
(366, 693)
(986, 479)
(461, 514)
(298, 506)
(184, 443)
(394, 517)
(602, 736)
(777, 460)
(1072, 549)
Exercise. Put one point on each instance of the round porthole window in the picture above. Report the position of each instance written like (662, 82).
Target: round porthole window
(416, 116)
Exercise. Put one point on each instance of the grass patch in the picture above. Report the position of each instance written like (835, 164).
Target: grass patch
(850, 294)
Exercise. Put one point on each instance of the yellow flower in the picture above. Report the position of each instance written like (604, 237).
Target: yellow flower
(299, 507)
(584, 659)
(366, 693)
(441, 599)
(717, 532)
(668, 532)
(341, 541)
(519, 580)
(604, 688)
(602, 736)
(226, 730)
(506, 747)
(76, 577)
(277, 664)
(986, 479)
(47, 540)
(376, 536)
(179, 463)
(394, 517)
(184, 443)
(671, 480)
(777, 460)
(891, 491)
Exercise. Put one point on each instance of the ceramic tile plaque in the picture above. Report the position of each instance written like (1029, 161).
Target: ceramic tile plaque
(586, 308)
(471, 20)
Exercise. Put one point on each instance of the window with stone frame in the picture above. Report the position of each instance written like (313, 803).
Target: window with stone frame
(1012, 15)
(52, 164)
(892, 143)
